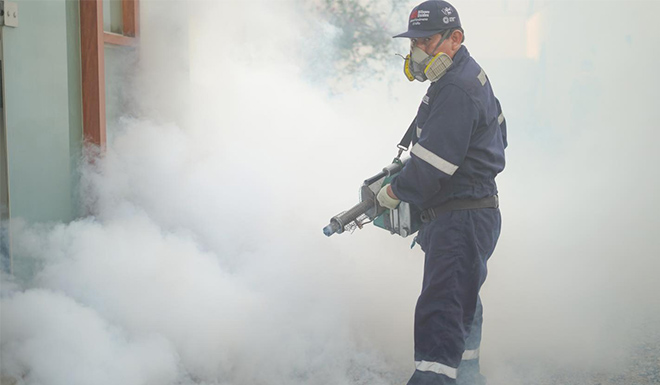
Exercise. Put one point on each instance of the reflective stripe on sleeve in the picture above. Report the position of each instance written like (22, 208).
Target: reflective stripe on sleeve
(471, 354)
(419, 131)
(436, 367)
(500, 119)
(482, 77)
(433, 159)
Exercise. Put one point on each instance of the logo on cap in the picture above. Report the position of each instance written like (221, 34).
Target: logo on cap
(418, 16)
(446, 11)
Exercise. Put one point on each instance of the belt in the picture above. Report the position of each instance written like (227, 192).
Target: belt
(430, 214)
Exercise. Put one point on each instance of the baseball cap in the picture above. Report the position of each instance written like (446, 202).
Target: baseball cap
(431, 17)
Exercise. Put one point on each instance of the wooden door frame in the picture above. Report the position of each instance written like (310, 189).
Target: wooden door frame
(92, 56)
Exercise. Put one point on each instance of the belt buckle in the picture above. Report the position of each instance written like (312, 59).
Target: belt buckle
(427, 215)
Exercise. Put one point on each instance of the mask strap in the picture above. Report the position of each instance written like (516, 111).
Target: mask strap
(445, 36)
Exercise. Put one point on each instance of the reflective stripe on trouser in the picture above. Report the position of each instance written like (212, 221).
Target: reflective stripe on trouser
(448, 315)
(468, 371)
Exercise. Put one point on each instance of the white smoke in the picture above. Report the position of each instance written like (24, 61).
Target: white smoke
(204, 261)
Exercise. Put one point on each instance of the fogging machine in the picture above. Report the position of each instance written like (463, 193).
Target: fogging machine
(403, 220)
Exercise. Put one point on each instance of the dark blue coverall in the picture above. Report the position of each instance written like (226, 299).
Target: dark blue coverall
(457, 151)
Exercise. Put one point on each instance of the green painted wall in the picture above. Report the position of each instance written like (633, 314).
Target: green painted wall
(43, 113)
(75, 98)
(42, 89)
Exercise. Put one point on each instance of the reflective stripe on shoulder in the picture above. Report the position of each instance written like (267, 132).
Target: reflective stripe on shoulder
(436, 367)
(471, 354)
(434, 160)
(482, 77)
(500, 119)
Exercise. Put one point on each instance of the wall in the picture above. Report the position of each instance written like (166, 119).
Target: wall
(43, 115)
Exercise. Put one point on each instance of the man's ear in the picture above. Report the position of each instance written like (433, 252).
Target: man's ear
(456, 40)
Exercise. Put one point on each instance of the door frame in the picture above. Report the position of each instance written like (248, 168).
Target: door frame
(92, 54)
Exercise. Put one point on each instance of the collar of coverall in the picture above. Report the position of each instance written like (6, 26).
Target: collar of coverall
(460, 54)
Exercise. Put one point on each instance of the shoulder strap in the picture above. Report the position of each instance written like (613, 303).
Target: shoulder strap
(404, 144)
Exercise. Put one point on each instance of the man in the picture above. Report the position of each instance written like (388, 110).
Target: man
(458, 148)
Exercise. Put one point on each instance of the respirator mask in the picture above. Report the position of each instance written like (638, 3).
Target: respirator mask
(421, 66)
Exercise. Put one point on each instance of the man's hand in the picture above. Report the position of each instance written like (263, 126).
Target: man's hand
(386, 197)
